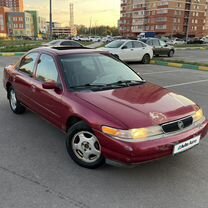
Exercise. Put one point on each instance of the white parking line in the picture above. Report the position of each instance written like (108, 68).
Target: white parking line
(159, 72)
(186, 83)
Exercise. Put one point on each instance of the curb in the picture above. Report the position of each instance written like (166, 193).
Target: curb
(8, 54)
(192, 48)
(178, 65)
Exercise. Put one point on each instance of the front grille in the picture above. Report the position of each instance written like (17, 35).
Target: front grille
(177, 125)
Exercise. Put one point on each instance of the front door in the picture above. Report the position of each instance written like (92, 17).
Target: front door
(48, 102)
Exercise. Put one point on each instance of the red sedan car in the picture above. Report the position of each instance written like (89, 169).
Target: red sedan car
(107, 110)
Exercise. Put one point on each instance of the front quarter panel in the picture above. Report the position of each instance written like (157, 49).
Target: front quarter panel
(73, 106)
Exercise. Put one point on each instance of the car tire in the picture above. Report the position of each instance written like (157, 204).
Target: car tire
(170, 53)
(15, 105)
(84, 147)
(146, 59)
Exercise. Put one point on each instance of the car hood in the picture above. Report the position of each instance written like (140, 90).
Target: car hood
(142, 105)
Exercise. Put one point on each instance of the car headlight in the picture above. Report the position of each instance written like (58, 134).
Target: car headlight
(198, 115)
(141, 134)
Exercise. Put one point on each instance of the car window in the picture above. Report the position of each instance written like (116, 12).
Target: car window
(155, 42)
(70, 43)
(162, 43)
(137, 44)
(149, 42)
(115, 44)
(54, 42)
(129, 44)
(27, 63)
(102, 70)
(46, 69)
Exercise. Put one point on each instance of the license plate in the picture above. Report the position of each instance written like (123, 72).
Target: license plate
(181, 147)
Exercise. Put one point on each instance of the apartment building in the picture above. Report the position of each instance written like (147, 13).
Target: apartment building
(20, 24)
(14, 5)
(3, 22)
(164, 17)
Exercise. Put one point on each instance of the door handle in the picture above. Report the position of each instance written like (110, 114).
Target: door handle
(33, 88)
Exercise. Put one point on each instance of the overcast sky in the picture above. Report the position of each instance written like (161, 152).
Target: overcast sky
(102, 12)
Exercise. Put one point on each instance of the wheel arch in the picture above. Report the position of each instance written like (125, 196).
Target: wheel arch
(73, 120)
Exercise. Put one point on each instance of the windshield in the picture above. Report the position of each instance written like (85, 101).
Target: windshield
(144, 40)
(115, 44)
(96, 70)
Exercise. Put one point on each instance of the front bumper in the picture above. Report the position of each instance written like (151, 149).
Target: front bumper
(140, 152)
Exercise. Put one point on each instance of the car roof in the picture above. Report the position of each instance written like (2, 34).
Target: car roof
(66, 51)
(61, 40)
(149, 38)
(125, 40)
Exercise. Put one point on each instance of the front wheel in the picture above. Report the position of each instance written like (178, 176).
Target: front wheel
(170, 53)
(15, 105)
(146, 59)
(84, 147)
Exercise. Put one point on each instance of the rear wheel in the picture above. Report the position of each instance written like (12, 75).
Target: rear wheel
(15, 105)
(84, 147)
(146, 59)
(170, 53)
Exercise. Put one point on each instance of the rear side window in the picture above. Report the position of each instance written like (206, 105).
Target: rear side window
(27, 63)
(149, 42)
(156, 42)
(129, 44)
(46, 69)
(137, 44)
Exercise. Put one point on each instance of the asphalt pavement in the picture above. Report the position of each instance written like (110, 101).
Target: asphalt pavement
(188, 55)
(36, 172)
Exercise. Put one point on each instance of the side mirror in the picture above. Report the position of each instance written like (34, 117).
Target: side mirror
(124, 47)
(49, 85)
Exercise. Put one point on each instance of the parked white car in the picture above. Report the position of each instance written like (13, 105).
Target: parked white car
(94, 38)
(107, 39)
(130, 50)
(205, 39)
(176, 41)
(81, 38)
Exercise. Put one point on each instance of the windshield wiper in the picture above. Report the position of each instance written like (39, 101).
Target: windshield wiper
(127, 82)
(87, 85)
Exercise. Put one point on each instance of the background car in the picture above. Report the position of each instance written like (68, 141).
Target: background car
(160, 48)
(195, 41)
(62, 43)
(130, 50)
(94, 38)
(176, 41)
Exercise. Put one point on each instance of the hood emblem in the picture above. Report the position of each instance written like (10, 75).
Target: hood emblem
(158, 117)
(180, 125)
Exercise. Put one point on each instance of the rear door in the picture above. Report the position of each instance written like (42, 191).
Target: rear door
(156, 46)
(24, 77)
(140, 50)
(48, 102)
(164, 48)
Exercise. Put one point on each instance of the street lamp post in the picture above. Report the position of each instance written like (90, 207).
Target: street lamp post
(51, 26)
